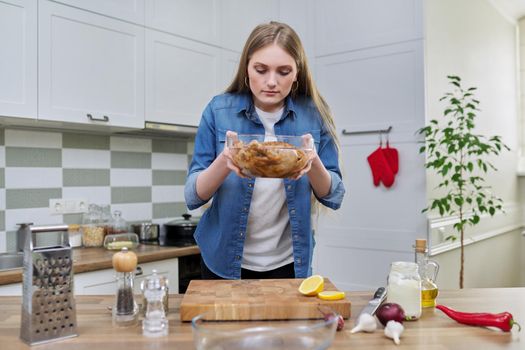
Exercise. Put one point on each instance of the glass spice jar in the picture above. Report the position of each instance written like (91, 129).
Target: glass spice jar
(118, 225)
(105, 218)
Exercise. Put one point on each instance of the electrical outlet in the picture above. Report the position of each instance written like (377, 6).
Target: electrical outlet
(60, 206)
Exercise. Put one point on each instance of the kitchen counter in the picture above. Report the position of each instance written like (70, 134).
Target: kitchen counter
(92, 259)
(433, 330)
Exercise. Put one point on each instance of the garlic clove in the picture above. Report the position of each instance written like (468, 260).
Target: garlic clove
(394, 330)
(365, 323)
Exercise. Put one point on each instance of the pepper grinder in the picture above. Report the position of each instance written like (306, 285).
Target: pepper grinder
(155, 323)
(125, 309)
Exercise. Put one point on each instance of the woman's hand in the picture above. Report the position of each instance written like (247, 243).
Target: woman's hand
(311, 154)
(226, 153)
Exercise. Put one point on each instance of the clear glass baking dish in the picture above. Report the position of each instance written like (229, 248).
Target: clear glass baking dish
(284, 157)
(313, 334)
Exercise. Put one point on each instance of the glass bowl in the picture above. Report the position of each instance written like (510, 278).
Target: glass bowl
(120, 240)
(282, 157)
(209, 334)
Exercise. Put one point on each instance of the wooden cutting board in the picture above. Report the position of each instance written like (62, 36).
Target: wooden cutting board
(270, 299)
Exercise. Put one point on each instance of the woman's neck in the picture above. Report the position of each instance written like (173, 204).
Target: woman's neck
(269, 108)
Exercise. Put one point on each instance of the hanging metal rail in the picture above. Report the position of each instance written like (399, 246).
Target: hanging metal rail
(379, 131)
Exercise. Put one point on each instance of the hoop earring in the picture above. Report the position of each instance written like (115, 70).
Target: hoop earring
(296, 87)
(246, 82)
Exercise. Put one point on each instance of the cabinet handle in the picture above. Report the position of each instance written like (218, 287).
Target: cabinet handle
(138, 271)
(93, 119)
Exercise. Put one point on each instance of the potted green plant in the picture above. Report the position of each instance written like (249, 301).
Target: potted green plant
(460, 159)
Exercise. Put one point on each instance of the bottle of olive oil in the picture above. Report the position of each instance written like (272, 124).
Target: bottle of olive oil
(428, 270)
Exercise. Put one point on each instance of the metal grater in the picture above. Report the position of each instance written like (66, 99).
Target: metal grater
(48, 305)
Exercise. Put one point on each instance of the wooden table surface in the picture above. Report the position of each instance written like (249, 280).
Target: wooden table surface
(92, 259)
(433, 330)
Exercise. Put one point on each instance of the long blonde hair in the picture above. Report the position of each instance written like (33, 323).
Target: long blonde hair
(284, 36)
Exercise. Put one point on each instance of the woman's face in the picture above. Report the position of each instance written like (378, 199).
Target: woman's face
(271, 72)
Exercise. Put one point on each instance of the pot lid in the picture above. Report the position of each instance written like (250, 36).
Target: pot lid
(186, 220)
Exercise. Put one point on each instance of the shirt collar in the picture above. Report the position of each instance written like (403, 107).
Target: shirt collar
(246, 105)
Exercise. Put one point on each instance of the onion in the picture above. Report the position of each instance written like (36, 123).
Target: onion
(328, 314)
(390, 311)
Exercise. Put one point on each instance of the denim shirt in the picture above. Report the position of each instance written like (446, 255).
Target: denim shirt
(221, 231)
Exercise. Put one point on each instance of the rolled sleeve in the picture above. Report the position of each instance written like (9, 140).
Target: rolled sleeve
(334, 198)
(190, 192)
(329, 155)
(203, 155)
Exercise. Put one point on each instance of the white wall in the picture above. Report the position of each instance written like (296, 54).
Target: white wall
(495, 262)
(472, 39)
(369, 67)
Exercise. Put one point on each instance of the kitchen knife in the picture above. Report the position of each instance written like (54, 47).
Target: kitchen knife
(374, 303)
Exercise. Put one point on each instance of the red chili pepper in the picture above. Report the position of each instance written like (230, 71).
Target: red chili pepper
(503, 321)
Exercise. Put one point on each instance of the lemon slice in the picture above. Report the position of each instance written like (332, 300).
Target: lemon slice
(312, 285)
(331, 295)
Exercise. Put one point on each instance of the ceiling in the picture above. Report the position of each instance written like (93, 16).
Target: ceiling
(514, 9)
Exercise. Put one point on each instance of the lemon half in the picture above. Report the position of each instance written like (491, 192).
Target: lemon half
(331, 295)
(312, 285)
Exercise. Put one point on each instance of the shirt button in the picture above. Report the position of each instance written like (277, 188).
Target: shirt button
(245, 209)
(240, 234)
(250, 185)
(289, 187)
(298, 261)
(292, 211)
(238, 257)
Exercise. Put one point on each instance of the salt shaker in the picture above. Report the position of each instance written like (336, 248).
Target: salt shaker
(404, 288)
(125, 310)
(155, 323)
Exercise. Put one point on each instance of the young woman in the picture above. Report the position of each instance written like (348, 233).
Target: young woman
(261, 227)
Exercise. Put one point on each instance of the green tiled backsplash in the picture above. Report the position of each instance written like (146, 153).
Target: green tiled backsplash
(32, 157)
(142, 177)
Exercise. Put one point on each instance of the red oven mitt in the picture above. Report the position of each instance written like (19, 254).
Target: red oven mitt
(380, 168)
(392, 157)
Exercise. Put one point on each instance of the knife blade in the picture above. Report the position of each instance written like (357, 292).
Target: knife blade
(374, 303)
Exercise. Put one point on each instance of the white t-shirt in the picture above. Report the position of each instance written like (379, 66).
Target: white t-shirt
(268, 243)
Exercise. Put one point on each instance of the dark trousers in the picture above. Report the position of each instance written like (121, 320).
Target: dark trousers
(286, 271)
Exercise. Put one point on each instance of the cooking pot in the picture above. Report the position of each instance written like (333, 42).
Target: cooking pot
(148, 233)
(179, 232)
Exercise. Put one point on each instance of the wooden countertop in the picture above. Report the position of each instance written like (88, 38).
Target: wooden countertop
(91, 259)
(433, 330)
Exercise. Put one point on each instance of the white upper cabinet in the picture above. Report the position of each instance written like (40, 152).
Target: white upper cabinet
(90, 68)
(188, 18)
(237, 18)
(18, 60)
(181, 78)
(343, 25)
(128, 10)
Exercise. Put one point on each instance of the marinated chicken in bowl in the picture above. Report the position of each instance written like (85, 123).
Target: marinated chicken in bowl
(274, 159)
